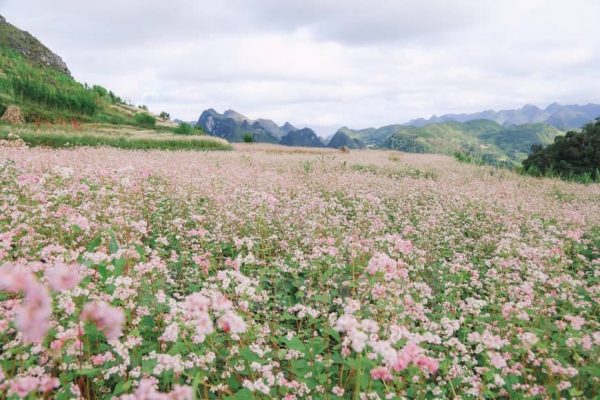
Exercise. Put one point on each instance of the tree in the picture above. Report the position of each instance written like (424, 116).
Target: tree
(576, 154)
(164, 115)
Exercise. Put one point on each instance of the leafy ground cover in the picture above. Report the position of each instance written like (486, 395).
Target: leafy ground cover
(280, 274)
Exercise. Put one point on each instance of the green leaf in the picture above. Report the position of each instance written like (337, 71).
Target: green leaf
(119, 265)
(113, 246)
(249, 355)
(295, 344)
(91, 372)
(243, 394)
(94, 244)
(121, 388)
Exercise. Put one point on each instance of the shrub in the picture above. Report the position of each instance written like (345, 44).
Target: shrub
(248, 137)
(145, 120)
(184, 129)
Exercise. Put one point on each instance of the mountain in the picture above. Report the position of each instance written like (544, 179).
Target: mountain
(562, 117)
(343, 139)
(29, 47)
(304, 137)
(232, 126)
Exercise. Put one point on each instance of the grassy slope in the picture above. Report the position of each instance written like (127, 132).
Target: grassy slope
(48, 96)
(45, 94)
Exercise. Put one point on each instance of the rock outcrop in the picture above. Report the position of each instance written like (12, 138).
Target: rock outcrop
(30, 47)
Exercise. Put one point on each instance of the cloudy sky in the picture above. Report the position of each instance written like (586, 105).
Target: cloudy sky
(326, 63)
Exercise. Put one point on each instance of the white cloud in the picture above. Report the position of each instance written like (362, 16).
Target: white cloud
(326, 63)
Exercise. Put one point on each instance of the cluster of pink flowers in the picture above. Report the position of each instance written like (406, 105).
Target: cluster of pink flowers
(196, 313)
(22, 386)
(381, 262)
(364, 333)
(33, 316)
(107, 318)
(146, 390)
(63, 277)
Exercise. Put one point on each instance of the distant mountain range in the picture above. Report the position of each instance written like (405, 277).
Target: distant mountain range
(563, 117)
(504, 136)
(487, 139)
(233, 126)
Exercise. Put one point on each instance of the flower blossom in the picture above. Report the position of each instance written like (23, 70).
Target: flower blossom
(107, 318)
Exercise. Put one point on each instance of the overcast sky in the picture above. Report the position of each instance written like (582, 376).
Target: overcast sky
(325, 63)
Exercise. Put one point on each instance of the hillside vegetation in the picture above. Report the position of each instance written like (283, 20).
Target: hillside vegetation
(47, 95)
(61, 112)
(575, 155)
(483, 139)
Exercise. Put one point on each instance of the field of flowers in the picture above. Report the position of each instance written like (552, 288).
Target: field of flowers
(264, 273)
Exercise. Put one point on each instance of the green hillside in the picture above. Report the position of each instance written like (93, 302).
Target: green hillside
(46, 94)
(61, 112)
(483, 139)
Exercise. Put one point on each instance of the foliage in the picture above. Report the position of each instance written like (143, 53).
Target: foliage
(145, 120)
(185, 129)
(248, 137)
(45, 94)
(575, 155)
(165, 115)
(409, 144)
(486, 140)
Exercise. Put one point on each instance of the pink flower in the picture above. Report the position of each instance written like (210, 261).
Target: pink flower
(220, 302)
(171, 333)
(48, 383)
(497, 360)
(63, 277)
(180, 392)
(24, 385)
(204, 325)
(107, 318)
(196, 305)
(401, 362)
(231, 323)
(381, 373)
(427, 364)
(33, 317)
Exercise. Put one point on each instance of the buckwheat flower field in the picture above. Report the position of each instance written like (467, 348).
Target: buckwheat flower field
(265, 273)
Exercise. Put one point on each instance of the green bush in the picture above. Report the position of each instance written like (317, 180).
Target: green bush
(575, 155)
(144, 119)
(248, 137)
(184, 129)
(2, 109)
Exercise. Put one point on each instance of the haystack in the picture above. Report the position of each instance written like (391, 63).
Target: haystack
(13, 116)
